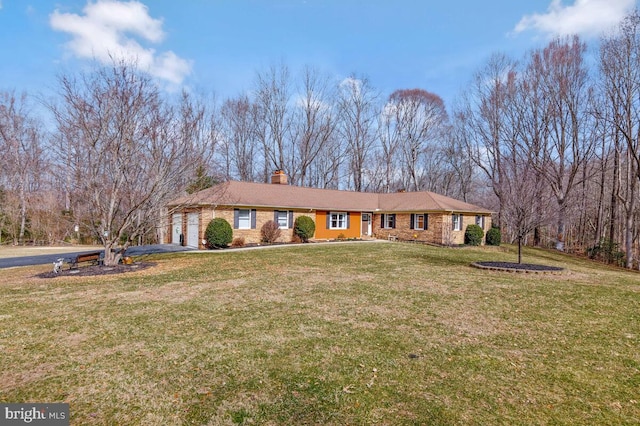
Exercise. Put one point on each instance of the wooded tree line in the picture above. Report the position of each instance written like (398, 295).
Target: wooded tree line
(549, 141)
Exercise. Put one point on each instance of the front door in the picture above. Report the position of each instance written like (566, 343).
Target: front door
(366, 224)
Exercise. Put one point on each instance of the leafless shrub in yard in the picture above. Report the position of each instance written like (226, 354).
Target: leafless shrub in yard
(238, 242)
(270, 232)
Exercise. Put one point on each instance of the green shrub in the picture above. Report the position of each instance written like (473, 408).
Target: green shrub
(494, 238)
(304, 227)
(218, 234)
(473, 235)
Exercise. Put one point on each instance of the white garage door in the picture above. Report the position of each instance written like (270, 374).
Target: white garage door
(176, 228)
(192, 230)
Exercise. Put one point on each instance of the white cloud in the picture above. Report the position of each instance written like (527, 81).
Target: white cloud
(110, 29)
(351, 84)
(583, 17)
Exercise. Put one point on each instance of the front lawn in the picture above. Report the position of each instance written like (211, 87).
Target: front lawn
(336, 334)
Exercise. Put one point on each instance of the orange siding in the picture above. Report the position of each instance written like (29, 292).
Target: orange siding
(322, 233)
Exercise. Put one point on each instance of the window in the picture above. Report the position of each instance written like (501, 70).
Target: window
(338, 220)
(419, 221)
(456, 220)
(389, 221)
(282, 219)
(480, 221)
(244, 219)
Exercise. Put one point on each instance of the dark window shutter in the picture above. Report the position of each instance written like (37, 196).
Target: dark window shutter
(413, 220)
(253, 218)
(290, 219)
(382, 221)
(426, 221)
(328, 220)
(236, 218)
(348, 220)
(275, 216)
(393, 221)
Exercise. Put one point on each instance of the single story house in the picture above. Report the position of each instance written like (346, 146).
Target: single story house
(247, 206)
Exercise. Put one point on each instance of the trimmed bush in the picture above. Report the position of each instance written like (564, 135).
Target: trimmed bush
(494, 238)
(218, 233)
(270, 232)
(304, 227)
(473, 235)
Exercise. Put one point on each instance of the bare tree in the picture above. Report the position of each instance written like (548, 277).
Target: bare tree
(129, 151)
(485, 114)
(455, 155)
(620, 70)
(326, 170)
(568, 143)
(22, 159)
(529, 116)
(420, 118)
(357, 106)
(388, 155)
(521, 194)
(238, 129)
(314, 122)
(272, 96)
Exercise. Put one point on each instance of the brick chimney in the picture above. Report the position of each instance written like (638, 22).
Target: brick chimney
(279, 177)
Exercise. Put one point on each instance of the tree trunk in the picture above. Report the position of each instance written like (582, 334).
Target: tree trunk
(23, 212)
(628, 239)
(562, 212)
(111, 257)
(519, 250)
(600, 208)
(615, 193)
(629, 218)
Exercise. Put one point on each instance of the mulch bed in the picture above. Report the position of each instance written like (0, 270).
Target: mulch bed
(518, 267)
(88, 271)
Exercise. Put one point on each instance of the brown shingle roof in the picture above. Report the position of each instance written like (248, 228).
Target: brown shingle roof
(250, 194)
(424, 201)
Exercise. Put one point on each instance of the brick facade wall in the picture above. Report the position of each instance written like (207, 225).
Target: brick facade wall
(439, 229)
(433, 233)
(252, 236)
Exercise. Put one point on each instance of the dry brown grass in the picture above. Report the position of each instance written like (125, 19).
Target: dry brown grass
(338, 334)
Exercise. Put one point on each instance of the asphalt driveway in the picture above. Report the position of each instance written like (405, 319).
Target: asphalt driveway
(52, 257)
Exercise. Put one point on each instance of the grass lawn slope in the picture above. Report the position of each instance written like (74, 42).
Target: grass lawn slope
(327, 334)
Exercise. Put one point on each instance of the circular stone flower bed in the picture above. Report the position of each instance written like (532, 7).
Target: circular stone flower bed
(518, 267)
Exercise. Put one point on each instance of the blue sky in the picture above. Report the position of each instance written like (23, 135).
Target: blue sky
(219, 45)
